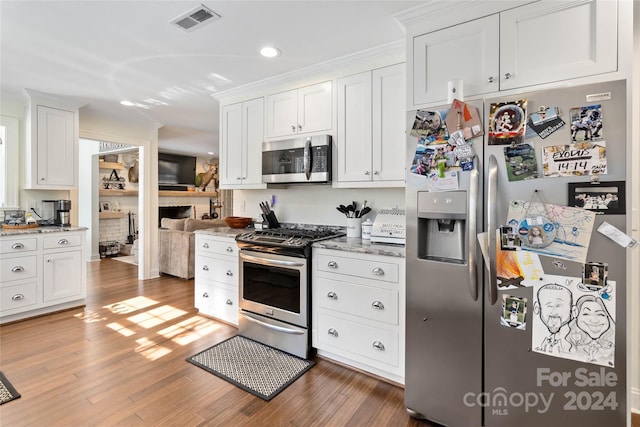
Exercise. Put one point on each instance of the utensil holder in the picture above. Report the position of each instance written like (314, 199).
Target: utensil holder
(354, 227)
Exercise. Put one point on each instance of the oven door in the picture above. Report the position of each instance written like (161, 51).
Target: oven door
(274, 286)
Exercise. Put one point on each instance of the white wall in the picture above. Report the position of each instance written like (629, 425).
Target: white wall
(634, 304)
(315, 204)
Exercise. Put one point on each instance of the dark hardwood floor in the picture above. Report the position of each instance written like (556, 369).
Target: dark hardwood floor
(121, 361)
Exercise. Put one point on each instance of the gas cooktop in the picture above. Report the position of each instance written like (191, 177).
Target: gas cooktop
(285, 237)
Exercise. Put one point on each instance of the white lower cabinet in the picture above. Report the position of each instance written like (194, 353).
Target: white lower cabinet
(216, 277)
(41, 273)
(358, 310)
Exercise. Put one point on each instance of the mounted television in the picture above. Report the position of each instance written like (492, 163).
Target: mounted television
(176, 170)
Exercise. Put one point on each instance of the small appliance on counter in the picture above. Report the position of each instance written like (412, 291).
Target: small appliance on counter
(61, 213)
(389, 226)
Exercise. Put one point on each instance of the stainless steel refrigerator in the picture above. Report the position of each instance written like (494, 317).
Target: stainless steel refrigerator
(466, 366)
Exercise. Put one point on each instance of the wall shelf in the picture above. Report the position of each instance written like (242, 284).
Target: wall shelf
(111, 215)
(161, 193)
(110, 165)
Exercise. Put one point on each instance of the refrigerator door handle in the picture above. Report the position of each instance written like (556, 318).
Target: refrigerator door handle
(492, 226)
(472, 235)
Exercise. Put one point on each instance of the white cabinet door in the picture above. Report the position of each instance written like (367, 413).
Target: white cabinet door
(389, 123)
(468, 51)
(550, 41)
(253, 126)
(231, 159)
(242, 130)
(314, 108)
(299, 111)
(282, 114)
(56, 148)
(62, 276)
(354, 128)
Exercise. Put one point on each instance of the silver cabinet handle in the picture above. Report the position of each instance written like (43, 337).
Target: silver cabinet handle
(507, 76)
(332, 332)
(49, 260)
(367, 172)
(332, 264)
(376, 173)
(293, 128)
(377, 305)
(229, 302)
(205, 295)
(205, 267)
(205, 245)
(17, 297)
(229, 249)
(378, 345)
(299, 127)
(377, 271)
(17, 269)
(239, 178)
(332, 295)
(17, 246)
(229, 273)
(63, 242)
(490, 79)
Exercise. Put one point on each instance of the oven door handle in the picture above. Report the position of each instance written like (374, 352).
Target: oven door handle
(271, 262)
(270, 326)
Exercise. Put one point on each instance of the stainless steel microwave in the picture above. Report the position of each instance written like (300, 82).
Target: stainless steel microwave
(298, 160)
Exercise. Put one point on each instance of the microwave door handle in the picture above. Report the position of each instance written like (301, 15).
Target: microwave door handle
(492, 208)
(471, 237)
(307, 159)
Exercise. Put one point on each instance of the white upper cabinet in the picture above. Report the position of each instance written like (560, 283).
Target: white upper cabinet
(242, 130)
(468, 51)
(538, 43)
(299, 111)
(370, 128)
(553, 40)
(51, 149)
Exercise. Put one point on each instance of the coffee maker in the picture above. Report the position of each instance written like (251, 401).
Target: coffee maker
(61, 212)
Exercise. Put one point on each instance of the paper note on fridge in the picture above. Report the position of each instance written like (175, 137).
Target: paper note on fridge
(572, 228)
(585, 158)
(616, 235)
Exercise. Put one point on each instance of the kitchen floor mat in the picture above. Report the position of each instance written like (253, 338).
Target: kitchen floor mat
(255, 367)
(7, 392)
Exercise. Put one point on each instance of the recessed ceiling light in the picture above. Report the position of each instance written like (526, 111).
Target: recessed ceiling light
(210, 153)
(269, 51)
(127, 103)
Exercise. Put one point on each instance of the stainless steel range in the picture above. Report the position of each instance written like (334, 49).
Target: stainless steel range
(275, 287)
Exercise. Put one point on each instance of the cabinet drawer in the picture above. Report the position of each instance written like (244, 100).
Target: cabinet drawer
(375, 344)
(362, 301)
(24, 267)
(218, 270)
(217, 301)
(19, 296)
(210, 245)
(62, 240)
(364, 268)
(18, 245)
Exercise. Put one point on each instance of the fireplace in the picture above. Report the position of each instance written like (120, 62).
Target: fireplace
(175, 212)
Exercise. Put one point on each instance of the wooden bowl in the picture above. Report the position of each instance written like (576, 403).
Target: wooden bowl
(237, 221)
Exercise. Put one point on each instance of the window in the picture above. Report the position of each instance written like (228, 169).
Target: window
(8, 162)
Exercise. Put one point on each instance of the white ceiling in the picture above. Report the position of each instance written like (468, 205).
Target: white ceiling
(102, 52)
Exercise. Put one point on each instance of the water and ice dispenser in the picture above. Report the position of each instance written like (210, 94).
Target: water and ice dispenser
(442, 227)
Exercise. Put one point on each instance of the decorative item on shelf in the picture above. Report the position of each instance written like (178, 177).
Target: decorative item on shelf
(111, 158)
(205, 178)
(105, 207)
(238, 221)
(113, 182)
(133, 172)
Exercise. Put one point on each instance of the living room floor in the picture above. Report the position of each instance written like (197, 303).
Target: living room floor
(121, 361)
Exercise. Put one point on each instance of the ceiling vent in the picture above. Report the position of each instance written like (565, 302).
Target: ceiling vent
(195, 18)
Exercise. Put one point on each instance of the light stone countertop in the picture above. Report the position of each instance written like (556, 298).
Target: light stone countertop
(357, 245)
(223, 231)
(40, 230)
